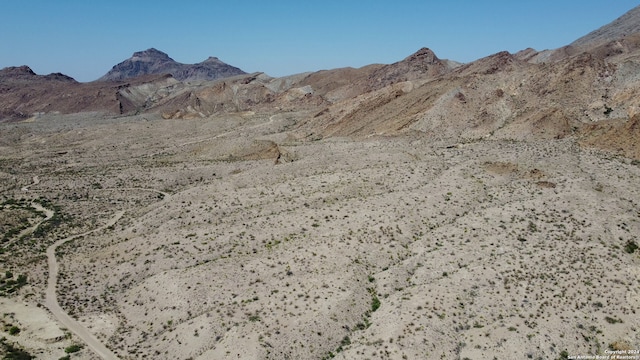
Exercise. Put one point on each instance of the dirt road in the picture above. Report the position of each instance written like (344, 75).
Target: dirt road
(48, 214)
(52, 301)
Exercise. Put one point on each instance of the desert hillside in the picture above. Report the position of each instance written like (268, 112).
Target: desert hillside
(423, 209)
(233, 239)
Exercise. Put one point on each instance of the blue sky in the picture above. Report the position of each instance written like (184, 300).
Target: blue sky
(84, 39)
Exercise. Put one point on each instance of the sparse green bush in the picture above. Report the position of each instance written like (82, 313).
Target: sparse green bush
(611, 320)
(73, 348)
(375, 302)
(11, 352)
(345, 342)
(630, 247)
(9, 285)
(14, 330)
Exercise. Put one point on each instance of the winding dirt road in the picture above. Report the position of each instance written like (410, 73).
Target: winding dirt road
(51, 300)
(36, 181)
(48, 214)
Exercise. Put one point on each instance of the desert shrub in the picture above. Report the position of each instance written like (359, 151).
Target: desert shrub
(345, 342)
(11, 352)
(73, 348)
(611, 320)
(630, 247)
(14, 330)
(9, 285)
(375, 303)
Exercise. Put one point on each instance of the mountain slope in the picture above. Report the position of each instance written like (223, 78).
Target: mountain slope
(499, 95)
(528, 95)
(153, 62)
(24, 94)
(506, 96)
(422, 64)
(626, 24)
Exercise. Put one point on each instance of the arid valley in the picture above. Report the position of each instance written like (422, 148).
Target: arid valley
(481, 211)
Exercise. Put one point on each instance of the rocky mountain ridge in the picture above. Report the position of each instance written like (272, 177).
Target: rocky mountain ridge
(24, 94)
(627, 24)
(155, 62)
(25, 73)
(527, 95)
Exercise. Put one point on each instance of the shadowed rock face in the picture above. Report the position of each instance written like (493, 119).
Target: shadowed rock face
(153, 61)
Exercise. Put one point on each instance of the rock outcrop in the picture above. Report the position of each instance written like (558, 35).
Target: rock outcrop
(155, 62)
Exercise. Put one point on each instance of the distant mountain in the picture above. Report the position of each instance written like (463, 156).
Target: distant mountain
(589, 90)
(25, 94)
(21, 88)
(24, 73)
(153, 62)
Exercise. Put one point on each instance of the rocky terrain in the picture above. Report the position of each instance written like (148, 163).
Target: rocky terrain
(421, 209)
(155, 62)
(627, 24)
(25, 95)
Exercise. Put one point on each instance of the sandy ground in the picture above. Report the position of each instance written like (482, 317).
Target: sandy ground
(388, 248)
(38, 330)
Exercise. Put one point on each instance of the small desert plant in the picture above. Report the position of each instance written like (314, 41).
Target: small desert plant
(12, 351)
(345, 342)
(630, 247)
(14, 330)
(73, 348)
(375, 302)
(611, 320)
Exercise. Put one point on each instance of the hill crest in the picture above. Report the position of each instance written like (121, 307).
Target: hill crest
(153, 62)
(626, 24)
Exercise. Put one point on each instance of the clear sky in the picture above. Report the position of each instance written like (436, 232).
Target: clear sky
(85, 38)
